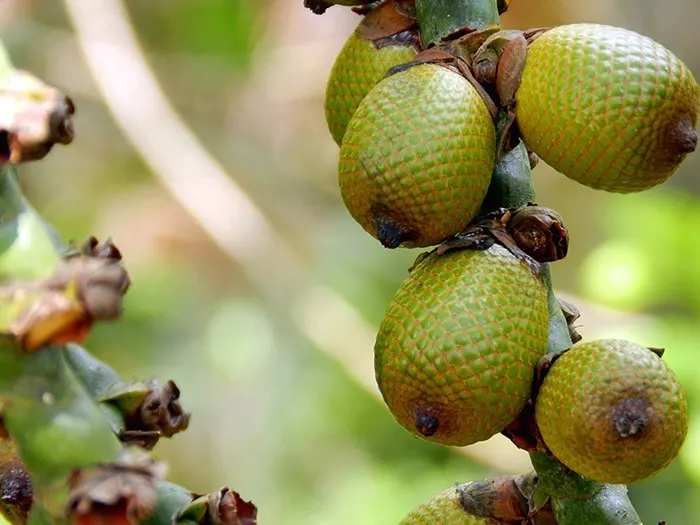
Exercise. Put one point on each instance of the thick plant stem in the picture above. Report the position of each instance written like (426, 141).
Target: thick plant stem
(439, 18)
(511, 185)
(574, 499)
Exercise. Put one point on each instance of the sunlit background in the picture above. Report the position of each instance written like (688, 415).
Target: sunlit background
(203, 151)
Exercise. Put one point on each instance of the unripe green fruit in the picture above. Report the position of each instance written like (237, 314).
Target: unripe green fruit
(360, 65)
(612, 411)
(607, 107)
(417, 157)
(443, 509)
(456, 350)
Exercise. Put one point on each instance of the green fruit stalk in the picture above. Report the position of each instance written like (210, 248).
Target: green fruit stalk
(607, 107)
(443, 509)
(456, 350)
(612, 411)
(360, 65)
(417, 157)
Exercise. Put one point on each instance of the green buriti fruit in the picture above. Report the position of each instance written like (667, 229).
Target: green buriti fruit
(443, 509)
(456, 350)
(360, 65)
(607, 107)
(417, 157)
(612, 411)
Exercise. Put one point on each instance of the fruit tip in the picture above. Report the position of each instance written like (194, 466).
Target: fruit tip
(682, 139)
(630, 417)
(391, 234)
(426, 424)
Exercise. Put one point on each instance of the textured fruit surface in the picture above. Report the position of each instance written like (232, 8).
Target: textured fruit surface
(456, 350)
(443, 509)
(607, 107)
(360, 65)
(612, 411)
(417, 157)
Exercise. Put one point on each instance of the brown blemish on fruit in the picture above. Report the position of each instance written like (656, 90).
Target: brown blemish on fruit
(630, 417)
(427, 421)
(392, 233)
(680, 140)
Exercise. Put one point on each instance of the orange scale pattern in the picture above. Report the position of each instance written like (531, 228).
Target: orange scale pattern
(360, 65)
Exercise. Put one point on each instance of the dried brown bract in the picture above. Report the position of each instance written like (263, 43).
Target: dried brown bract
(123, 492)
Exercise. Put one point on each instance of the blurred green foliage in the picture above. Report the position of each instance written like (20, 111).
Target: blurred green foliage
(274, 417)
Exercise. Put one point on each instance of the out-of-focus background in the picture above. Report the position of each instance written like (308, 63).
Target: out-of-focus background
(204, 153)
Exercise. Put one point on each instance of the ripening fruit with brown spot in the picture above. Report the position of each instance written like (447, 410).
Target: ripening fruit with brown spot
(361, 64)
(607, 107)
(417, 157)
(456, 350)
(612, 411)
(443, 509)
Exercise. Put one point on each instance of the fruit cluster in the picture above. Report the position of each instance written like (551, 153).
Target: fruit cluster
(420, 132)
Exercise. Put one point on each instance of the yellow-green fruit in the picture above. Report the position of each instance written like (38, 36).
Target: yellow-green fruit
(360, 65)
(607, 107)
(443, 509)
(456, 350)
(417, 157)
(612, 411)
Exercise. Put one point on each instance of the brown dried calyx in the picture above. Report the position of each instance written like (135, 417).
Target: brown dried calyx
(92, 247)
(390, 24)
(506, 500)
(223, 507)
(227, 508)
(161, 410)
(33, 117)
(149, 410)
(532, 233)
(540, 233)
(122, 492)
(62, 307)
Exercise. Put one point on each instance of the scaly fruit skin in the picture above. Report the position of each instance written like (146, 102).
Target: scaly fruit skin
(607, 107)
(612, 411)
(443, 509)
(417, 157)
(456, 350)
(360, 65)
